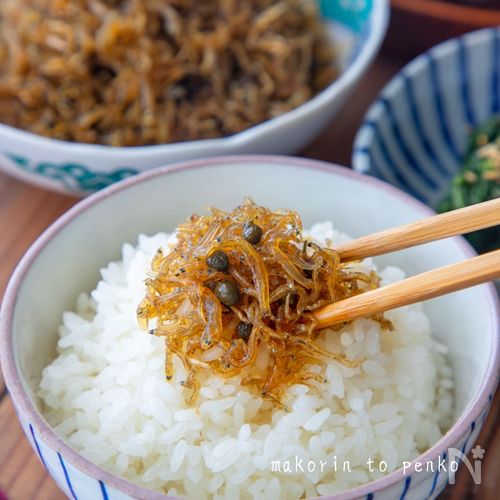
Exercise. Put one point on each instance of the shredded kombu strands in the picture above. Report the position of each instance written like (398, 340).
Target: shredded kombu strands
(136, 72)
(240, 286)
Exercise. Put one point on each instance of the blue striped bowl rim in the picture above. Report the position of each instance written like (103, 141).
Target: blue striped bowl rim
(400, 165)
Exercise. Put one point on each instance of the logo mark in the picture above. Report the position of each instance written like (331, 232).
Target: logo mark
(456, 456)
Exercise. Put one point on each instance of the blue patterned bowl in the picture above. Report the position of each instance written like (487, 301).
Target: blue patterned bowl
(415, 134)
(356, 27)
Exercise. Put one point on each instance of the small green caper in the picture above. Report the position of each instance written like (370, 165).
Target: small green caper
(227, 292)
(244, 330)
(252, 233)
(218, 260)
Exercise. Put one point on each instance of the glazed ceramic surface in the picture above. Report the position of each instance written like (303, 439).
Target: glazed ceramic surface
(415, 134)
(66, 260)
(357, 29)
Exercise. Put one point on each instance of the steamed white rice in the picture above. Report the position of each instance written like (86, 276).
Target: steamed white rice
(106, 395)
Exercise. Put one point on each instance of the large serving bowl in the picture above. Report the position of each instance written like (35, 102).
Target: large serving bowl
(357, 29)
(66, 260)
(416, 133)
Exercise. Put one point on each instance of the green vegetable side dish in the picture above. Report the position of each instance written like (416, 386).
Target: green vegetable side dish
(478, 180)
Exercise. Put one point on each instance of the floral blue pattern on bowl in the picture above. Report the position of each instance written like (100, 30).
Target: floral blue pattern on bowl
(415, 134)
(73, 175)
(351, 13)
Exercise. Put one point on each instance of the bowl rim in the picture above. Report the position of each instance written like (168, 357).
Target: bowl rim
(363, 140)
(27, 409)
(378, 23)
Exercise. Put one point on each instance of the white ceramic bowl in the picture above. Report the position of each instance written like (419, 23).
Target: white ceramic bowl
(66, 260)
(357, 28)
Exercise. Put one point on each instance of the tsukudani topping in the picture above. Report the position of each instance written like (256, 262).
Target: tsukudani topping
(220, 318)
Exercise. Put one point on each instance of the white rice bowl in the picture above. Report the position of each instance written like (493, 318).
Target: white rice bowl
(107, 396)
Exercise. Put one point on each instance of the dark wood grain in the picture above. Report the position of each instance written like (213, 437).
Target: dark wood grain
(26, 211)
(417, 25)
(22, 476)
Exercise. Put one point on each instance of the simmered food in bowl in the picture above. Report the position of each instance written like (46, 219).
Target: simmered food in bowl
(376, 389)
(129, 73)
(242, 282)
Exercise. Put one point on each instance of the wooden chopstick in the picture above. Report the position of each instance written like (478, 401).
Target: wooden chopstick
(415, 289)
(461, 221)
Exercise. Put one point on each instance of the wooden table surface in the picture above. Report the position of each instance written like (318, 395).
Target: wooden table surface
(26, 211)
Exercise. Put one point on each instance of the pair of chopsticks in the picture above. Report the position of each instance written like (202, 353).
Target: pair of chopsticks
(422, 286)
